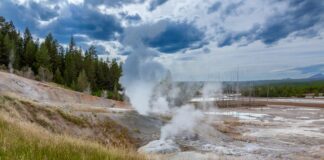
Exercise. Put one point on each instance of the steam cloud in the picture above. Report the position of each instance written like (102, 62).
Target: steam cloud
(11, 61)
(185, 120)
(149, 86)
(141, 72)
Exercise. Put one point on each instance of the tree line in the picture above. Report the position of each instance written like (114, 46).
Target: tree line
(49, 61)
(292, 89)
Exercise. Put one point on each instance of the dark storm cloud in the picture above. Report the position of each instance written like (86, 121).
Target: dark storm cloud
(233, 37)
(77, 19)
(155, 3)
(305, 14)
(318, 68)
(134, 18)
(175, 37)
(300, 17)
(26, 16)
(88, 21)
(112, 3)
(231, 8)
(131, 18)
(214, 8)
(42, 12)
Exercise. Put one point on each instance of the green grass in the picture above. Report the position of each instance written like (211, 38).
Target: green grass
(24, 141)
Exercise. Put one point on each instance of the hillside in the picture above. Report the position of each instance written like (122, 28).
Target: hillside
(49, 92)
(28, 141)
(50, 122)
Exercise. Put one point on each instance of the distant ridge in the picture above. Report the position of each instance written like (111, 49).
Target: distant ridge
(315, 77)
(319, 76)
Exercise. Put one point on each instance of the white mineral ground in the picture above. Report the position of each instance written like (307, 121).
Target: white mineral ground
(160, 146)
(270, 132)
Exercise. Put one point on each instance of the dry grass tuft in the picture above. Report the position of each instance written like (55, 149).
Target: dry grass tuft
(73, 119)
(42, 121)
(28, 131)
(27, 141)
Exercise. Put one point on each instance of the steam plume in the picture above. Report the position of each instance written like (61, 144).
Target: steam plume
(149, 86)
(11, 61)
(140, 71)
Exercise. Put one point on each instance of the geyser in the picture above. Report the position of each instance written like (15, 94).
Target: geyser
(150, 89)
(184, 120)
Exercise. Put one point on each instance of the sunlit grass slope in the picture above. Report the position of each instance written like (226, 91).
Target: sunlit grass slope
(23, 140)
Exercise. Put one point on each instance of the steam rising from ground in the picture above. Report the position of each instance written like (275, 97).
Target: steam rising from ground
(185, 120)
(140, 71)
(11, 61)
(150, 89)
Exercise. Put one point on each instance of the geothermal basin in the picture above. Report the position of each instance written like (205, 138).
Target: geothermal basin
(268, 132)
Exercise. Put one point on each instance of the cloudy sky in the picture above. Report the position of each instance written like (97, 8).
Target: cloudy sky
(195, 40)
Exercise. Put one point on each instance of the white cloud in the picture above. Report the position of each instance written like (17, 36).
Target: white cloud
(255, 59)
(76, 2)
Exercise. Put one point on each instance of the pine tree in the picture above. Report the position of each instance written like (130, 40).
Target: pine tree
(27, 48)
(2, 49)
(42, 57)
(69, 69)
(52, 47)
(7, 50)
(18, 53)
(89, 65)
(58, 77)
(27, 37)
(72, 45)
(115, 72)
(82, 82)
(70, 66)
